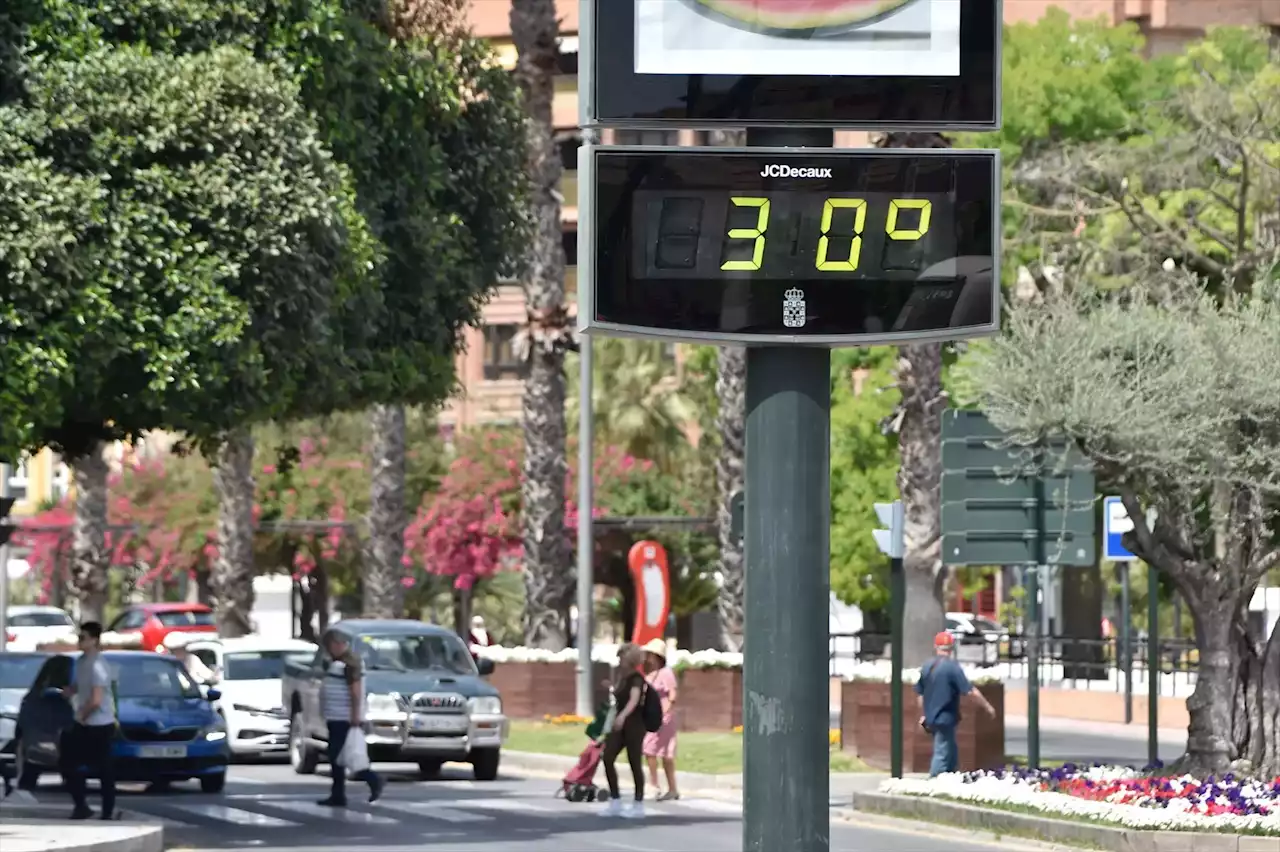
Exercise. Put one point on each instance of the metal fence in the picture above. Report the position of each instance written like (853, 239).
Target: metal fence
(1090, 664)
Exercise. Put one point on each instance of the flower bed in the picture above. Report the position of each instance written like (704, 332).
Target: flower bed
(1116, 795)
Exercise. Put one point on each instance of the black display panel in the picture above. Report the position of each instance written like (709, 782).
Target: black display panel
(750, 244)
(821, 63)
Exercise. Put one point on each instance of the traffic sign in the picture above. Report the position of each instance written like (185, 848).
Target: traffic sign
(1005, 504)
(1116, 522)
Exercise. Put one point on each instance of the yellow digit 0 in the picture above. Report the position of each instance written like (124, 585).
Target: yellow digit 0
(824, 242)
(757, 233)
(891, 227)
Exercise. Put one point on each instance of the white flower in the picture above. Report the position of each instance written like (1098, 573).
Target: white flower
(880, 671)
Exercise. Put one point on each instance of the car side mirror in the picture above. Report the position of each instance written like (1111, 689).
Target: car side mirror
(213, 694)
(484, 666)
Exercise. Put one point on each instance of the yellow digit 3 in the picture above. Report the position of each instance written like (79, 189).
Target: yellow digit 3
(859, 206)
(757, 233)
(891, 227)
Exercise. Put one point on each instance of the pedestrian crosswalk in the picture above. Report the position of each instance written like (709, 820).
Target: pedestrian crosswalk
(260, 812)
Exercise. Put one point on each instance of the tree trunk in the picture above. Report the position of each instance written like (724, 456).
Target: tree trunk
(462, 613)
(232, 581)
(383, 594)
(920, 471)
(547, 563)
(731, 423)
(89, 555)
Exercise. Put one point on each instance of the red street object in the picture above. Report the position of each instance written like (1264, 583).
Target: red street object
(648, 563)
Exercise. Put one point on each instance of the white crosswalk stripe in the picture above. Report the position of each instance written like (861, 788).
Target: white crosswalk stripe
(337, 814)
(430, 810)
(508, 806)
(223, 813)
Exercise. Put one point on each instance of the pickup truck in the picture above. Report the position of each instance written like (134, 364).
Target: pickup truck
(426, 700)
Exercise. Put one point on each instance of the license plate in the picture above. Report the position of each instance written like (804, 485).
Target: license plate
(427, 724)
(162, 751)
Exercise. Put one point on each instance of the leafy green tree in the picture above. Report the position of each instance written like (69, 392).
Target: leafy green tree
(864, 466)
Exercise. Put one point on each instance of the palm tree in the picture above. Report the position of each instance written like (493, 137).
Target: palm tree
(388, 515)
(231, 581)
(731, 425)
(919, 417)
(548, 569)
(637, 404)
(89, 533)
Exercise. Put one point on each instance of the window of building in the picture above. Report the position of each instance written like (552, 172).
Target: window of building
(17, 474)
(500, 360)
(570, 242)
(569, 145)
(646, 137)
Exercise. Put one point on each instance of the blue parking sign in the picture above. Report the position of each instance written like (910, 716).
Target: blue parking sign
(1116, 523)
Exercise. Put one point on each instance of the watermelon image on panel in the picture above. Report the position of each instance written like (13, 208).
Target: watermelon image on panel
(804, 18)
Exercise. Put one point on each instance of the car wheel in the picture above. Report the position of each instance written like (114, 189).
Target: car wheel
(484, 762)
(301, 757)
(429, 769)
(28, 775)
(213, 783)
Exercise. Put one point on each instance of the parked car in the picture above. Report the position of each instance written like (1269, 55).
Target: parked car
(18, 671)
(248, 673)
(427, 701)
(152, 622)
(979, 639)
(168, 730)
(27, 626)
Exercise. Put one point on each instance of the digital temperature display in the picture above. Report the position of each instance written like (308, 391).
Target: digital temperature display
(829, 247)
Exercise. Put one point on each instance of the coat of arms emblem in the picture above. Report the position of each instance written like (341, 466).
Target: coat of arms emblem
(793, 308)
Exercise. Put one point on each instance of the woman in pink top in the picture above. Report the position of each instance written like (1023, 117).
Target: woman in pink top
(662, 743)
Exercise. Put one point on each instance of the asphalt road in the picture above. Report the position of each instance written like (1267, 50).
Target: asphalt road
(268, 807)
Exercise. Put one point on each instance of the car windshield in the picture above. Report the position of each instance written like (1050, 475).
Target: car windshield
(987, 625)
(40, 619)
(408, 653)
(260, 665)
(152, 677)
(185, 618)
(18, 671)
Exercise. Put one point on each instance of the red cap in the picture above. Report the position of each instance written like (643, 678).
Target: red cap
(943, 639)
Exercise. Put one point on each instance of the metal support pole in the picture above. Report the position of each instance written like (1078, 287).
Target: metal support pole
(897, 608)
(1153, 665)
(1126, 642)
(586, 549)
(1033, 618)
(4, 567)
(785, 702)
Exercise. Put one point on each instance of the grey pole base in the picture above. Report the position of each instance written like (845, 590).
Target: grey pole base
(785, 712)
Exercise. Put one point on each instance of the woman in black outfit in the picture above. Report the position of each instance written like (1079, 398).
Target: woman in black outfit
(628, 733)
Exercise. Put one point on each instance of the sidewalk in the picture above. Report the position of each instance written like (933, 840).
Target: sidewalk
(727, 787)
(1136, 731)
(29, 827)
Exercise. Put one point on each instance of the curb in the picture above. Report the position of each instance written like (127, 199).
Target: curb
(1063, 832)
(130, 836)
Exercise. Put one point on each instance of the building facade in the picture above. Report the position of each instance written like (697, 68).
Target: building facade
(490, 375)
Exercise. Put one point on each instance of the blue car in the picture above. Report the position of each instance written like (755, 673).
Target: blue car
(168, 730)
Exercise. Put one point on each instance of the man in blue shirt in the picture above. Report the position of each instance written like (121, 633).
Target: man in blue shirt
(941, 685)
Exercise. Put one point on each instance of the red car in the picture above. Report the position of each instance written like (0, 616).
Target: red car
(154, 621)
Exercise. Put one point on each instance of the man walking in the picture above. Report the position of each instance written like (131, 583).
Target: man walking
(941, 685)
(87, 744)
(343, 702)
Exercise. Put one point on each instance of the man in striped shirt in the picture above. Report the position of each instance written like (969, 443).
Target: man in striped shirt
(342, 701)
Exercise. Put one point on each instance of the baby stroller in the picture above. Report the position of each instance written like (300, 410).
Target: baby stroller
(579, 784)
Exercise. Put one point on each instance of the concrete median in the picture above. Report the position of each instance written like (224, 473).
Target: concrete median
(45, 828)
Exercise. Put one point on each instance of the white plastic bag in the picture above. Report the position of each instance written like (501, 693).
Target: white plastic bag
(355, 752)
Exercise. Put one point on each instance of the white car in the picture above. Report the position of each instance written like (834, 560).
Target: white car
(248, 672)
(27, 626)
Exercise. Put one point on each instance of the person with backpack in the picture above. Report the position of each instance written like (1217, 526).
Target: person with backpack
(661, 743)
(942, 684)
(629, 729)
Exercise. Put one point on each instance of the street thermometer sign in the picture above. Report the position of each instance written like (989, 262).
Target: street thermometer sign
(787, 245)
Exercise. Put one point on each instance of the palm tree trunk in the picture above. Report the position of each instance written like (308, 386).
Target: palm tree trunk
(731, 424)
(383, 594)
(920, 470)
(89, 555)
(232, 579)
(547, 568)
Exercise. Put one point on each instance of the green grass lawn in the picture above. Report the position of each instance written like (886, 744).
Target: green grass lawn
(699, 751)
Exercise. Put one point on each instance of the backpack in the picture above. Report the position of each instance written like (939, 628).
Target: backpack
(651, 712)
